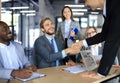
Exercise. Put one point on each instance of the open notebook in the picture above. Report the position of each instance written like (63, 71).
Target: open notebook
(90, 63)
(34, 76)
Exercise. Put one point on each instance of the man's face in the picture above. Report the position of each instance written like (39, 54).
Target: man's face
(48, 27)
(93, 4)
(5, 33)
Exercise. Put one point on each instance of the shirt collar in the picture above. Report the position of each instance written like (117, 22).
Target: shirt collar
(66, 21)
(49, 38)
(3, 45)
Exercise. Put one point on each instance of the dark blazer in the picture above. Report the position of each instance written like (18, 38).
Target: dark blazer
(110, 34)
(45, 53)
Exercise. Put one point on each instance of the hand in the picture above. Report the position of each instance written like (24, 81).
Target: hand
(72, 51)
(82, 61)
(77, 45)
(90, 74)
(72, 33)
(71, 63)
(22, 73)
(32, 68)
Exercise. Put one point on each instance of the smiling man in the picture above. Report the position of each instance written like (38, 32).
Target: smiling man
(48, 48)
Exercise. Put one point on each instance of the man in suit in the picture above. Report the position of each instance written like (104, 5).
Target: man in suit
(13, 62)
(110, 34)
(50, 53)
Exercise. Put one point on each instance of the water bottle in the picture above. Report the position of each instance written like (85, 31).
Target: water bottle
(75, 31)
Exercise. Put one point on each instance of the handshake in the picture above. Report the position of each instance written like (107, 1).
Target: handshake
(75, 48)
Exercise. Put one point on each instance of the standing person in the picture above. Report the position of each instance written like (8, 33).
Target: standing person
(13, 62)
(48, 48)
(65, 29)
(110, 34)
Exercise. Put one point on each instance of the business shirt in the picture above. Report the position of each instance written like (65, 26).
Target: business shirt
(21, 62)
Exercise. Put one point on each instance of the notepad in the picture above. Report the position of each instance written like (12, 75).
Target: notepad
(34, 76)
(75, 69)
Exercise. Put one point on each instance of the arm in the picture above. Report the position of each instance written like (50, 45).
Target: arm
(43, 49)
(24, 63)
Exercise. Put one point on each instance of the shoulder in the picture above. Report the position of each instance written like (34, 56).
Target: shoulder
(61, 23)
(40, 39)
(16, 43)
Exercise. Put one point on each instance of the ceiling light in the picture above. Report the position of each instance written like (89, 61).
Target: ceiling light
(78, 14)
(27, 11)
(83, 10)
(30, 14)
(76, 5)
(94, 12)
(26, 7)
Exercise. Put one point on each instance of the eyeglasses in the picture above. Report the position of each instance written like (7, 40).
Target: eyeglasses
(92, 32)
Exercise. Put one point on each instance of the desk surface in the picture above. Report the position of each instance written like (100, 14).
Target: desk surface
(57, 75)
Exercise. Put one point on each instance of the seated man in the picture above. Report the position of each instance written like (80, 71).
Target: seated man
(13, 62)
(50, 53)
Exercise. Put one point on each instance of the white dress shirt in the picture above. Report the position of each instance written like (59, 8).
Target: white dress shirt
(67, 28)
(9, 56)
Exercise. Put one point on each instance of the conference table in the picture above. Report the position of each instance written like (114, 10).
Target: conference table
(58, 75)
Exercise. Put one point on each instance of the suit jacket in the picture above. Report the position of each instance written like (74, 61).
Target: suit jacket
(110, 34)
(45, 53)
(60, 31)
(6, 73)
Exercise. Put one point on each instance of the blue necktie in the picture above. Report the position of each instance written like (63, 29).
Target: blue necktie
(52, 43)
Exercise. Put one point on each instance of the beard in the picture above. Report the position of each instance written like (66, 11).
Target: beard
(50, 33)
(9, 37)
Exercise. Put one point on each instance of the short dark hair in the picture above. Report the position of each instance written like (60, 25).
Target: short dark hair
(3, 24)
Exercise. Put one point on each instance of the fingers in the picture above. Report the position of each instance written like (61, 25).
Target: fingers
(90, 74)
(71, 63)
(22, 73)
(32, 68)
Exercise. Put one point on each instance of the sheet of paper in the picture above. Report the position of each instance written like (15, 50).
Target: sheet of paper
(34, 76)
(75, 69)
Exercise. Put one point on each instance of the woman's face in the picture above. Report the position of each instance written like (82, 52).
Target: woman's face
(90, 33)
(67, 13)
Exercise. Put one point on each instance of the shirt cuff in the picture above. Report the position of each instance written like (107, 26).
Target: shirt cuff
(100, 75)
(85, 43)
(63, 54)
